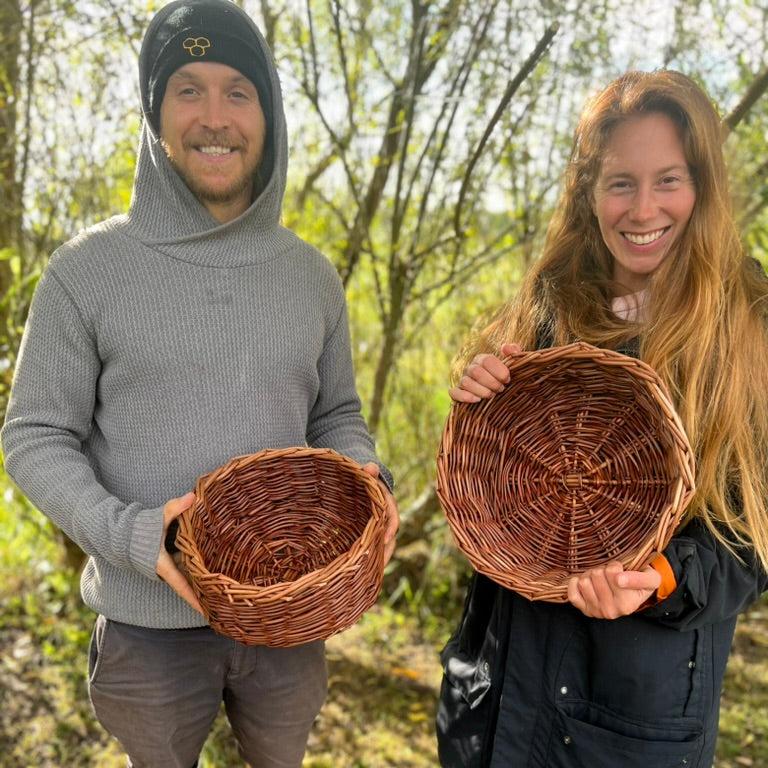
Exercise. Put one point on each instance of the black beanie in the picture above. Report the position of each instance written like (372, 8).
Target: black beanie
(187, 31)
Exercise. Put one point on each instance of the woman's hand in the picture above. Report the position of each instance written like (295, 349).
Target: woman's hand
(609, 591)
(484, 377)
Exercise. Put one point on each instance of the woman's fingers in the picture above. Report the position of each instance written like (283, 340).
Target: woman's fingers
(609, 591)
(508, 349)
(489, 370)
(484, 377)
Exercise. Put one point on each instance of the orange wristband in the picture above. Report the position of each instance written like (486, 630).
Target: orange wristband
(668, 582)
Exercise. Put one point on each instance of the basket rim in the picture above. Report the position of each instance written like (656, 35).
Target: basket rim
(346, 561)
(607, 358)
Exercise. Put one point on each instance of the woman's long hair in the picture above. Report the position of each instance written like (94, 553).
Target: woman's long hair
(706, 321)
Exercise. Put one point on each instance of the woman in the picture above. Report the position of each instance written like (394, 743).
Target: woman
(642, 256)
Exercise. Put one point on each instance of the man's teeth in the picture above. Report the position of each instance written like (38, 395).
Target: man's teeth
(648, 237)
(215, 150)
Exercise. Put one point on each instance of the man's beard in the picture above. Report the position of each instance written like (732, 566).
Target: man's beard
(207, 193)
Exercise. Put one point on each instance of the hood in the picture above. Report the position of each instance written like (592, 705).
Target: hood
(164, 211)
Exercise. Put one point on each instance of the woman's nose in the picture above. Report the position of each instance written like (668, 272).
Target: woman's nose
(644, 205)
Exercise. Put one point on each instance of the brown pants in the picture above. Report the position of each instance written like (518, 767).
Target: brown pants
(158, 692)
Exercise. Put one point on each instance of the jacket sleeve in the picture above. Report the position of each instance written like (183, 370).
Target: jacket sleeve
(50, 418)
(713, 584)
(335, 420)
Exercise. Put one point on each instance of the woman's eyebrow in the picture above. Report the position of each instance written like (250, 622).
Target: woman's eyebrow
(658, 172)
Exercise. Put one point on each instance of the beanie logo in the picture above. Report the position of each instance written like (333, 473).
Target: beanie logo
(196, 46)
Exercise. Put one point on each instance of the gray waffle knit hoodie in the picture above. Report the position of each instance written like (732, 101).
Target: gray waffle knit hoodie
(159, 345)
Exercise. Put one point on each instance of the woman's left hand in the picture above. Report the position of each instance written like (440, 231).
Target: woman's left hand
(609, 591)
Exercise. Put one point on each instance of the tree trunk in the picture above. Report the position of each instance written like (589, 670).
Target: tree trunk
(10, 204)
(388, 355)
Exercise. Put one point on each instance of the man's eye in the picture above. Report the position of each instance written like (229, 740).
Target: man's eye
(187, 91)
(239, 95)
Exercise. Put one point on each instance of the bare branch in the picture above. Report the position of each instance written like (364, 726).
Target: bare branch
(134, 44)
(342, 53)
(405, 135)
(455, 92)
(312, 177)
(756, 89)
(271, 19)
(510, 91)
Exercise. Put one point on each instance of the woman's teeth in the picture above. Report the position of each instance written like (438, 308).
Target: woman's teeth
(648, 237)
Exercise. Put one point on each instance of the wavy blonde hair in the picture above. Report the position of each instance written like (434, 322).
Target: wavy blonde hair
(706, 326)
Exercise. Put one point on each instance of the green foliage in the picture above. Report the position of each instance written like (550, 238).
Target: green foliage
(14, 305)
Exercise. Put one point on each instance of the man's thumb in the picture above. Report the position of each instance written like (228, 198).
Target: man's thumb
(174, 507)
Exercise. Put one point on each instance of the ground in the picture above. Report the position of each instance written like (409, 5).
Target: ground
(384, 679)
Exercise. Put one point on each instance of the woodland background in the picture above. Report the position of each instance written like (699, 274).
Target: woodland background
(427, 142)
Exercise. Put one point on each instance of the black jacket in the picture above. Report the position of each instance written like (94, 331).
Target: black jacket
(540, 685)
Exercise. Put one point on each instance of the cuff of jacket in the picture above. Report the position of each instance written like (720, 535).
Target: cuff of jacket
(668, 581)
(386, 476)
(146, 540)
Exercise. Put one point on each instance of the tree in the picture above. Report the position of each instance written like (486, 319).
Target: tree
(432, 91)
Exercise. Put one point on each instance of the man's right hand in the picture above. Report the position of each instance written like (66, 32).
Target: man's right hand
(484, 377)
(166, 568)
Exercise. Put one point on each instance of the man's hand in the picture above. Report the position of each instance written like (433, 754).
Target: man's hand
(166, 568)
(394, 516)
(484, 377)
(609, 591)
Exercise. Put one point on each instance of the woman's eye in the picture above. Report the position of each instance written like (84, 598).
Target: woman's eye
(669, 181)
(619, 186)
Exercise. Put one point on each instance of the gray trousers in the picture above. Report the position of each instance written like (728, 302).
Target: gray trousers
(158, 692)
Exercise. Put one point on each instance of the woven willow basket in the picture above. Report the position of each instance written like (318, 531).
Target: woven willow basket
(285, 546)
(580, 460)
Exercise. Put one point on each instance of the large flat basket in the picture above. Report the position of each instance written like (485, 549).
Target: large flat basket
(285, 546)
(580, 460)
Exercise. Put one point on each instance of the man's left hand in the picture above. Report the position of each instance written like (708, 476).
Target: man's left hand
(393, 515)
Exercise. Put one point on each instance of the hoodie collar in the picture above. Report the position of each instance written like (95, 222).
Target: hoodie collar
(165, 214)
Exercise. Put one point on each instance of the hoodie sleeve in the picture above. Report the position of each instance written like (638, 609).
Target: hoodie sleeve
(49, 418)
(713, 584)
(335, 420)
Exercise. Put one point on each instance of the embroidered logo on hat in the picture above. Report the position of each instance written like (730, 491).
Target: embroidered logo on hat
(196, 46)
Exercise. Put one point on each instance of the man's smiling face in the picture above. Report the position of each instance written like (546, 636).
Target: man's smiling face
(213, 130)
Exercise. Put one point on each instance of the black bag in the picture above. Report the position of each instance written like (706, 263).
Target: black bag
(473, 670)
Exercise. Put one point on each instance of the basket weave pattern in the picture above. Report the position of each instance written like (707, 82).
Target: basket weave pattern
(285, 546)
(580, 460)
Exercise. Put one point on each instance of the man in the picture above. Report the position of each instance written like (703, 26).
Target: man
(159, 345)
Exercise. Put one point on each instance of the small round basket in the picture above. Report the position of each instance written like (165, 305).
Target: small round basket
(580, 460)
(285, 546)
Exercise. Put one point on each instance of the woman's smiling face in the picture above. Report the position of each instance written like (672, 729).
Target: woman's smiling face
(644, 196)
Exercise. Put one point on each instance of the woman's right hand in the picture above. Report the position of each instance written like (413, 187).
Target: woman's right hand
(484, 377)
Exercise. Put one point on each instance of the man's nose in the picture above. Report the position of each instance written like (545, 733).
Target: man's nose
(215, 114)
